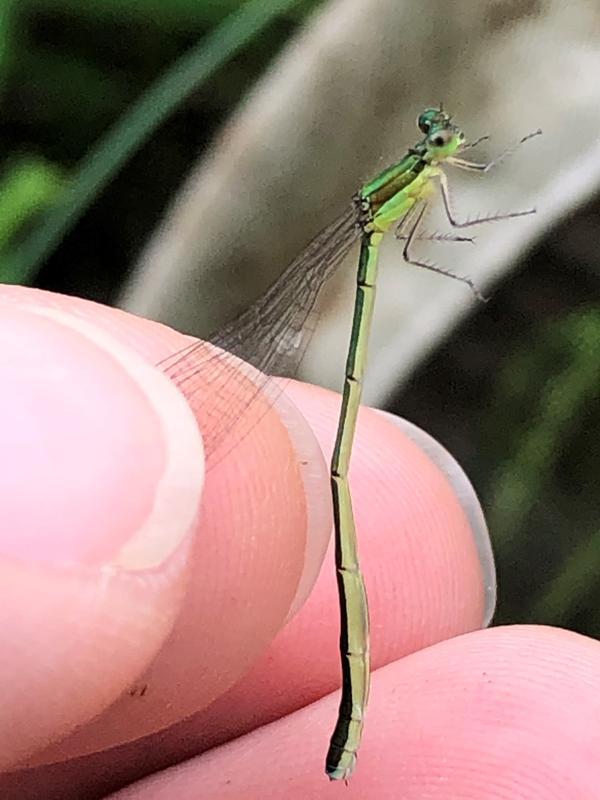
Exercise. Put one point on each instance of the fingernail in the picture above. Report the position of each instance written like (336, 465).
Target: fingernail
(102, 458)
(468, 500)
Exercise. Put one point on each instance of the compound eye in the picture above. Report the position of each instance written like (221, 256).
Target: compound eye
(425, 120)
(424, 124)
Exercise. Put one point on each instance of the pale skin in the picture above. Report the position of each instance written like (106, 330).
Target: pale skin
(502, 713)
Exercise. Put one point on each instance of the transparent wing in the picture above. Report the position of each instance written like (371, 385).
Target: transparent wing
(272, 335)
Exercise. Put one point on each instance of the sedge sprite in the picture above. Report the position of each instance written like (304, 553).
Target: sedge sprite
(272, 335)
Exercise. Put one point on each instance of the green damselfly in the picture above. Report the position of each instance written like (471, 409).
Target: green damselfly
(272, 336)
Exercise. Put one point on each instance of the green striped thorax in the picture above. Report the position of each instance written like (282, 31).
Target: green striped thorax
(442, 139)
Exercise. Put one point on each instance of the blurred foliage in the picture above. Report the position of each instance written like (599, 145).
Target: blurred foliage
(29, 186)
(549, 392)
(66, 60)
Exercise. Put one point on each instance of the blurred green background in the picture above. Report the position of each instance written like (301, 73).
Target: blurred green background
(70, 70)
(297, 103)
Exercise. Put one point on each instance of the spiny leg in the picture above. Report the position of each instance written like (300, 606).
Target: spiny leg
(471, 145)
(478, 220)
(473, 166)
(436, 237)
(402, 225)
(412, 236)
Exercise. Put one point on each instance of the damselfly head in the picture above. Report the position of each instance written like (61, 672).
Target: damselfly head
(442, 137)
